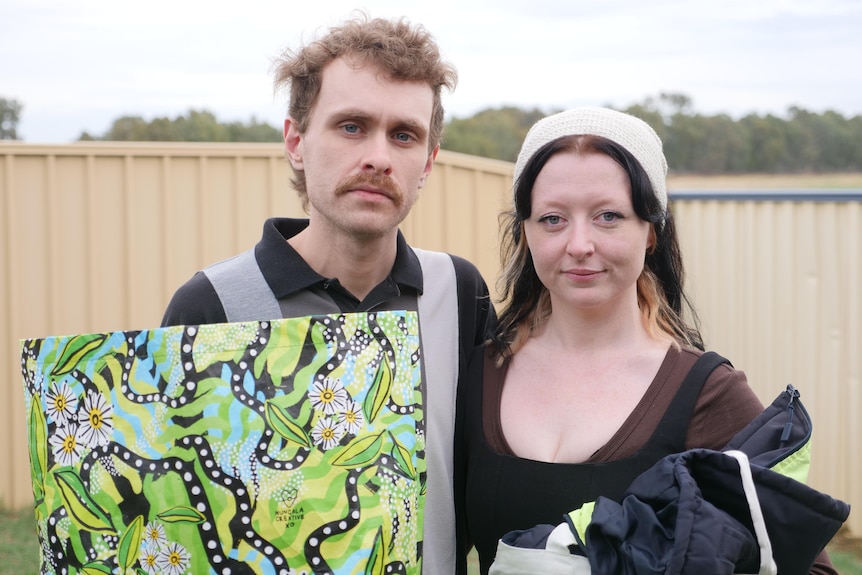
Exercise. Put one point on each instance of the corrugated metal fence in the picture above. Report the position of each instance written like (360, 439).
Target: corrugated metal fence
(96, 237)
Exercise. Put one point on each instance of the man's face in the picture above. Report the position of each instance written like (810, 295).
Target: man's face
(365, 151)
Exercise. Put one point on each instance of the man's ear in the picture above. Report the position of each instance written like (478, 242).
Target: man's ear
(292, 141)
(428, 165)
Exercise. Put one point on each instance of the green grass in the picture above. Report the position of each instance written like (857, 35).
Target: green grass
(846, 553)
(19, 548)
(846, 563)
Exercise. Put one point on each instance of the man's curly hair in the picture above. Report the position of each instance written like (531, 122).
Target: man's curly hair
(401, 50)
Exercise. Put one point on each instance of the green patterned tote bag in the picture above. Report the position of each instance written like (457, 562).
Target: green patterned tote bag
(282, 447)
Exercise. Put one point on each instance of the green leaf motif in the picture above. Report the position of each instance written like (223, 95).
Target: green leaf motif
(181, 514)
(276, 357)
(95, 569)
(85, 512)
(76, 349)
(360, 452)
(281, 422)
(379, 391)
(377, 559)
(38, 440)
(401, 455)
(130, 543)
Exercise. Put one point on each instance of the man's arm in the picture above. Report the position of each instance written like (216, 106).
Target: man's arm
(476, 315)
(194, 303)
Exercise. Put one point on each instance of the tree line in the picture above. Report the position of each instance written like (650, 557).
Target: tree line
(801, 142)
(194, 126)
(10, 114)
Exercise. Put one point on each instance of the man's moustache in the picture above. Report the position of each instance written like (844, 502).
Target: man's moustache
(377, 181)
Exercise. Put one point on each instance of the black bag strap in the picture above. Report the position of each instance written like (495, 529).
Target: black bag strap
(673, 428)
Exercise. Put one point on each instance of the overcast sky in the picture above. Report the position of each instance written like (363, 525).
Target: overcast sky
(77, 66)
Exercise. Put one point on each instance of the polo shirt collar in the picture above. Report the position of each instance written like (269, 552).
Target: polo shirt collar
(275, 256)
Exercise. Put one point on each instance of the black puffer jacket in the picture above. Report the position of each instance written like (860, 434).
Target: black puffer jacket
(690, 512)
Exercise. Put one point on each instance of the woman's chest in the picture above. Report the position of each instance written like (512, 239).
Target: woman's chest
(560, 413)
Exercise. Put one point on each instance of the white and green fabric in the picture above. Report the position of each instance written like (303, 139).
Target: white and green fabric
(272, 447)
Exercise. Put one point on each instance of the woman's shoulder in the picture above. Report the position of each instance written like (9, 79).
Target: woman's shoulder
(726, 404)
(724, 378)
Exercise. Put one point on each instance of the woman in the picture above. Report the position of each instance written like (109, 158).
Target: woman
(582, 383)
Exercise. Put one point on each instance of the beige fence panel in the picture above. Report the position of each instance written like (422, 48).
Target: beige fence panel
(97, 237)
(777, 284)
(458, 211)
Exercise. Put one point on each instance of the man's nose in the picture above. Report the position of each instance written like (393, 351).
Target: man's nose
(378, 154)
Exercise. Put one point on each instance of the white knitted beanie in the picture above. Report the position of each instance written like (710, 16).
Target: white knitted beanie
(631, 133)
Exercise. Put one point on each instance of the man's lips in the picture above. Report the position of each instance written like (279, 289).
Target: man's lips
(371, 191)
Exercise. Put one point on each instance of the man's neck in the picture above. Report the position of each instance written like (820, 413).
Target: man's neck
(359, 264)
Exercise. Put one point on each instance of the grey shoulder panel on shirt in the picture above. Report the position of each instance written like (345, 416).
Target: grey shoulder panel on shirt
(439, 329)
(242, 289)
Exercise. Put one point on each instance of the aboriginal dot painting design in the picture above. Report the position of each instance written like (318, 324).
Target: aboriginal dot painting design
(285, 447)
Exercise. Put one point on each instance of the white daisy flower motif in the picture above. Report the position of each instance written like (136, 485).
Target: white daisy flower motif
(66, 444)
(351, 418)
(148, 558)
(96, 419)
(62, 403)
(327, 433)
(328, 395)
(154, 535)
(173, 559)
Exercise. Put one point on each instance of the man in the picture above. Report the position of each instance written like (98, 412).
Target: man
(363, 129)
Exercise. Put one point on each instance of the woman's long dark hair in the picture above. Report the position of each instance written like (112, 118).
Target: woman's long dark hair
(526, 302)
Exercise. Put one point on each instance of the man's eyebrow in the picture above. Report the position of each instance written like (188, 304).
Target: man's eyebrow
(412, 126)
(349, 114)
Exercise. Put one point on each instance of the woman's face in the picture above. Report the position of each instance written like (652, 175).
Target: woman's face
(588, 244)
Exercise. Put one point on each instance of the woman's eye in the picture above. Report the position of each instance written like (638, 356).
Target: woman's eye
(609, 217)
(551, 220)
